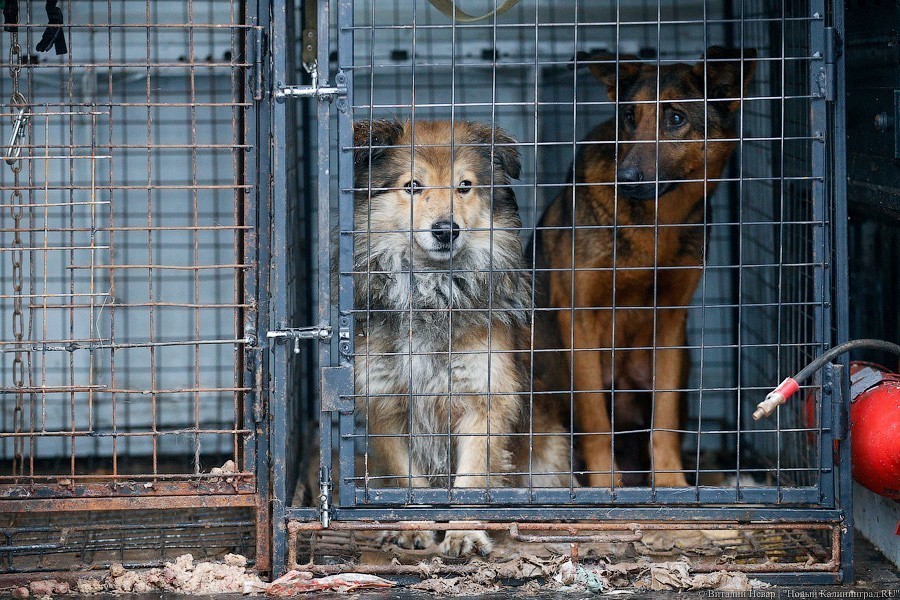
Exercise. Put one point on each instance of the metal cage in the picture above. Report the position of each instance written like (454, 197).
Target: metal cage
(179, 327)
(129, 264)
(770, 296)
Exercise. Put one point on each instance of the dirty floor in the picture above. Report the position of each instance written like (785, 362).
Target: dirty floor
(875, 578)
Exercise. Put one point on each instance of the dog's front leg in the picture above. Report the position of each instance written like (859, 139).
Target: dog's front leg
(591, 415)
(392, 451)
(671, 367)
(482, 457)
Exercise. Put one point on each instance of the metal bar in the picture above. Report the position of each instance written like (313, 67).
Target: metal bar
(346, 344)
(589, 525)
(561, 511)
(103, 388)
(430, 569)
(256, 171)
(840, 276)
(73, 344)
(127, 503)
(634, 535)
(309, 91)
(71, 486)
(301, 333)
(820, 241)
(807, 579)
(73, 432)
(274, 21)
(393, 497)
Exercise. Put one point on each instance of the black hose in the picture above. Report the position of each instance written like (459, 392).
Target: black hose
(840, 349)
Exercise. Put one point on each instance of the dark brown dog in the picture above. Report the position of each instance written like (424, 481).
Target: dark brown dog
(636, 243)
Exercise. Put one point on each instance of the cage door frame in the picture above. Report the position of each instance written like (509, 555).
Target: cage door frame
(357, 502)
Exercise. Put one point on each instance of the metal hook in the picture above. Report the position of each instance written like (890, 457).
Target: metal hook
(14, 150)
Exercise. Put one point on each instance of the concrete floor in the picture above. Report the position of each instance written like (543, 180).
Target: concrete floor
(875, 578)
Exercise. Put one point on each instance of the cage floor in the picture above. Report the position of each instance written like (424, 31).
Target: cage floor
(65, 541)
(705, 549)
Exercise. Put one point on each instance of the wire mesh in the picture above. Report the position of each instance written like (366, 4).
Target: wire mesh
(756, 310)
(133, 244)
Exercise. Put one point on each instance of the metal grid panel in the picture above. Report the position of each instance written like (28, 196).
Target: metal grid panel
(131, 242)
(76, 541)
(759, 310)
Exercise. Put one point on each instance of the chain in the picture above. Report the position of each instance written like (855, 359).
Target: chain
(16, 209)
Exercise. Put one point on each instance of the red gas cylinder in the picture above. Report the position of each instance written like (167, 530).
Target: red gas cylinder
(875, 428)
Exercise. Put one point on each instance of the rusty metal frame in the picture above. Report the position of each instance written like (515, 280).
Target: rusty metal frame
(198, 499)
(250, 157)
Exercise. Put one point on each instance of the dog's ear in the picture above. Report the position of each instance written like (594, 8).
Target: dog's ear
(728, 72)
(615, 72)
(505, 152)
(373, 139)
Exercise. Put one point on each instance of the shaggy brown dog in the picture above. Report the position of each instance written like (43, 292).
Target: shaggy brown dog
(442, 295)
(636, 241)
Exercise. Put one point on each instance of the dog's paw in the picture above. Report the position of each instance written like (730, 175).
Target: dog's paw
(465, 543)
(670, 480)
(410, 540)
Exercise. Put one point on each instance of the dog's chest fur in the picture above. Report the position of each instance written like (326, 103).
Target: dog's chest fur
(435, 377)
(422, 347)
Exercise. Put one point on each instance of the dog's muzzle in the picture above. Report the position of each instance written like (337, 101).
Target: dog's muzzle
(643, 191)
(633, 184)
(442, 241)
(445, 232)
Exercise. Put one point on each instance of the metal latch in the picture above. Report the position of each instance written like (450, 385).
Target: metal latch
(314, 89)
(300, 333)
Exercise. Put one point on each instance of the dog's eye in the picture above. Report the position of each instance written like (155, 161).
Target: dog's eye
(464, 186)
(629, 116)
(414, 186)
(677, 119)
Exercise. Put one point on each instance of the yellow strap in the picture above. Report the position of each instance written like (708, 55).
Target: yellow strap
(449, 8)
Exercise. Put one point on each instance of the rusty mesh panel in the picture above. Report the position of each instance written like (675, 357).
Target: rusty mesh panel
(122, 243)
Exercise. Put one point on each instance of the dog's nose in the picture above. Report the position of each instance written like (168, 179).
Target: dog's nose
(630, 175)
(445, 231)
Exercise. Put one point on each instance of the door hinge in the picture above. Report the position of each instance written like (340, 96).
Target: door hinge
(255, 50)
(254, 364)
(828, 77)
(299, 333)
(316, 89)
(325, 496)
